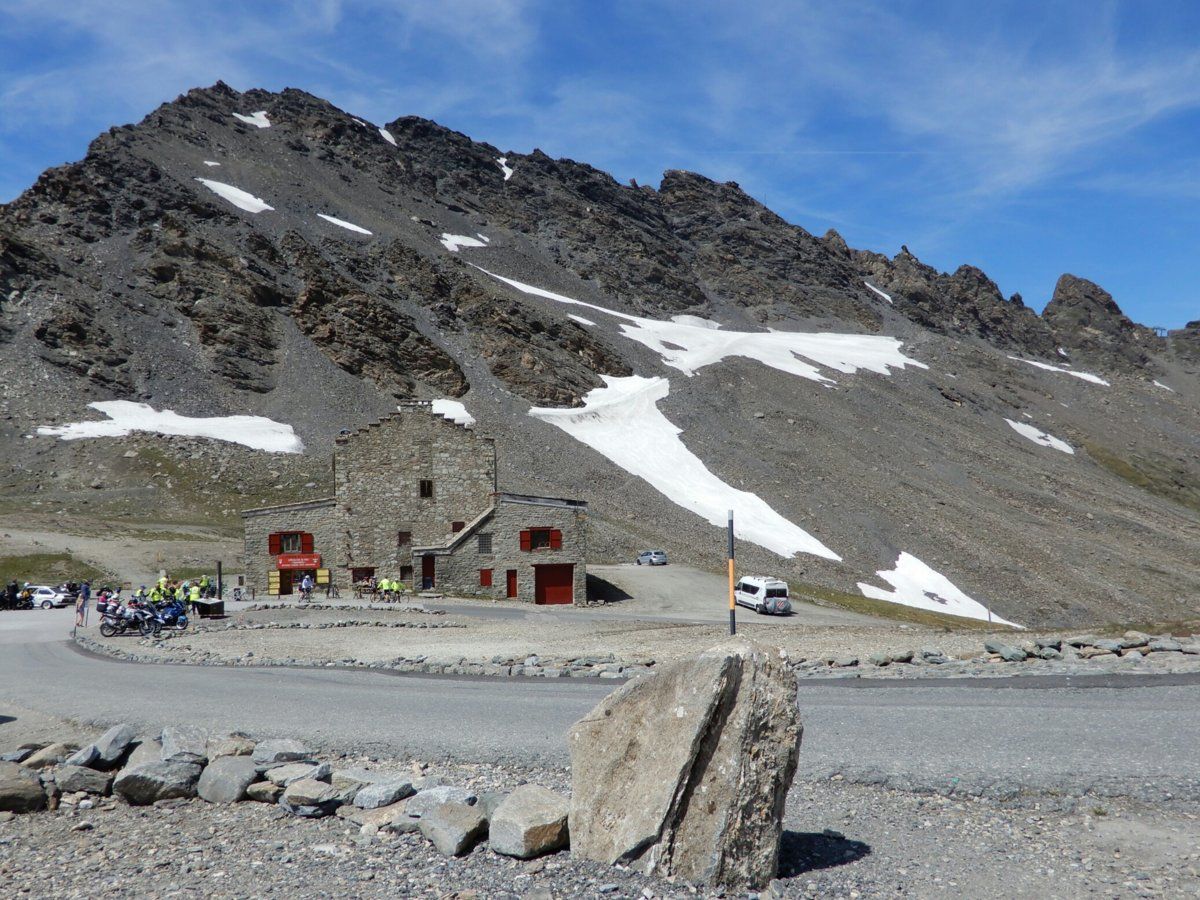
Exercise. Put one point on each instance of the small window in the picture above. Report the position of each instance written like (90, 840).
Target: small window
(290, 542)
(776, 592)
(485, 543)
(426, 489)
(406, 574)
(539, 538)
(361, 574)
(403, 538)
(485, 577)
(456, 527)
(749, 589)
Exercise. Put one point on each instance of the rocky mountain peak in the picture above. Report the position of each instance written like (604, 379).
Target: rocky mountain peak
(1084, 317)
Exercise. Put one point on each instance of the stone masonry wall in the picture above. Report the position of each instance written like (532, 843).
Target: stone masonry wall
(318, 517)
(377, 475)
(459, 573)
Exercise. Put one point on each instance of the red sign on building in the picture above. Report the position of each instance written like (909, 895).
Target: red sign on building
(298, 561)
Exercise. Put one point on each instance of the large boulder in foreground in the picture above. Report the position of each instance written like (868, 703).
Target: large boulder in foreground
(685, 773)
(529, 822)
(150, 782)
(20, 789)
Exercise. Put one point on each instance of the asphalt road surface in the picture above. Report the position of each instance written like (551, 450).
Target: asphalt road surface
(1120, 737)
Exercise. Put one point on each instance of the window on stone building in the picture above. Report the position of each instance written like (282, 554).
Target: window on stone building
(541, 539)
(485, 543)
(406, 574)
(403, 538)
(485, 577)
(456, 527)
(289, 542)
(426, 489)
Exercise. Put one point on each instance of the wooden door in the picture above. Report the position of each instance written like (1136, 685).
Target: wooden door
(428, 574)
(554, 584)
(511, 577)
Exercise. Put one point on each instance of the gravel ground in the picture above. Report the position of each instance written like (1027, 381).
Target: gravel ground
(841, 841)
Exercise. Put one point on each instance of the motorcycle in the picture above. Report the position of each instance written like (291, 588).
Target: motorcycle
(174, 615)
(117, 619)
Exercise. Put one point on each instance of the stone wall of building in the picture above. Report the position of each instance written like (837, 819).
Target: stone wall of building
(317, 517)
(378, 472)
(458, 573)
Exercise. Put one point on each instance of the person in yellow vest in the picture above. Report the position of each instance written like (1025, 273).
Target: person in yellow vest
(162, 583)
(156, 594)
(180, 593)
(194, 595)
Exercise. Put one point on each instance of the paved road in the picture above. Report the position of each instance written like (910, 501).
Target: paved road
(1139, 740)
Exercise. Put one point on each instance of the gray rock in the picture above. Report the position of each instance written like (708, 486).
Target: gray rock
(150, 782)
(1160, 645)
(845, 662)
(453, 828)
(264, 792)
(310, 798)
(659, 776)
(17, 756)
(292, 772)
(84, 756)
(1006, 652)
(20, 789)
(231, 745)
(488, 801)
(1080, 640)
(226, 779)
(1049, 643)
(425, 782)
(383, 793)
(880, 659)
(531, 822)
(71, 779)
(184, 743)
(931, 651)
(1049, 653)
(423, 801)
(1133, 639)
(146, 749)
(272, 752)
(1192, 649)
(356, 778)
(113, 744)
(1109, 645)
(902, 656)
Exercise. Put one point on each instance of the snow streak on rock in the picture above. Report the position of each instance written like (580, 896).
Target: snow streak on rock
(915, 584)
(885, 296)
(209, 162)
(502, 162)
(387, 136)
(258, 119)
(239, 198)
(125, 417)
(454, 411)
(1086, 376)
(580, 319)
(1040, 437)
(622, 422)
(349, 226)
(455, 242)
(689, 343)
(1164, 387)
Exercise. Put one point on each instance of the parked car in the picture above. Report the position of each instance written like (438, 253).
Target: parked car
(652, 558)
(763, 594)
(47, 597)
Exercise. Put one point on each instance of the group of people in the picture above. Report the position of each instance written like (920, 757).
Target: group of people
(16, 596)
(387, 589)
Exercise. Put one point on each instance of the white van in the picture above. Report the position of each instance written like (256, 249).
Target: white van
(763, 593)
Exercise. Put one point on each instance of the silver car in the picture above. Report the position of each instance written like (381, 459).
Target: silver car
(652, 558)
(47, 597)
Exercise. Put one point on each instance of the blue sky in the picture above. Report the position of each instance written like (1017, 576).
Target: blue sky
(1028, 139)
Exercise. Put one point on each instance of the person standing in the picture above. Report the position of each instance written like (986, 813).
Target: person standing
(81, 604)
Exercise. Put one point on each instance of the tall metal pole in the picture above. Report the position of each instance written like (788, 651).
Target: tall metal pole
(732, 605)
(220, 585)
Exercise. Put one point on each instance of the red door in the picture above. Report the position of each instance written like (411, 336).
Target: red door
(511, 577)
(554, 584)
(427, 573)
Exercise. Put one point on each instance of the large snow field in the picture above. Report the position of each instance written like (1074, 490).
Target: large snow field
(258, 119)
(622, 422)
(689, 343)
(455, 242)
(1086, 376)
(125, 417)
(1040, 437)
(239, 198)
(453, 410)
(915, 584)
(342, 223)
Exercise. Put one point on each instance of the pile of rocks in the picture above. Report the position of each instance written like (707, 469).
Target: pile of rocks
(1084, 647)
(340, 623)
(311, 607)
(183, 762)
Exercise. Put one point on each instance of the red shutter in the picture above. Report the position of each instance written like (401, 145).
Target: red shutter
(555, 539)
(485, 577)
(526, 541)
(306, 543)
(273, 544)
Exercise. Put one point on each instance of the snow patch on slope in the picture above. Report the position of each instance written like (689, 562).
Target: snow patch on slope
(258, 119)
(1086, 376)
(387, 136)
(349, 226)
(915, 584)
(580, 319)
(502, 162)
(689, 343)
(455, 242)
(885, 296)
(125, 416)
(454, 411)
(239, 198)
(1040, 437)
(622, 422)
(1164, 387)
(209, 162)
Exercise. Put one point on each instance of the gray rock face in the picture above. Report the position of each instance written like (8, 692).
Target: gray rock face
(231, 745)
(147, 749)
(20, 789)
(1006, 652)
(149, 782)
(279, 751)
(111, 745)
(84, 756)
(293, 772)
(264, 792)
(686, 773)
(454, 828)
(532, 821)
(78, 778)
(424, 801)
(310, 798)
(226, 779)
(184, 743)
(383, 793)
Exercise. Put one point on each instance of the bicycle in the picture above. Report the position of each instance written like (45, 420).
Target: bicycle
(237, 594)
(332, 593)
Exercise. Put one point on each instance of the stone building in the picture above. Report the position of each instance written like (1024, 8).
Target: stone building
(416, 499)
